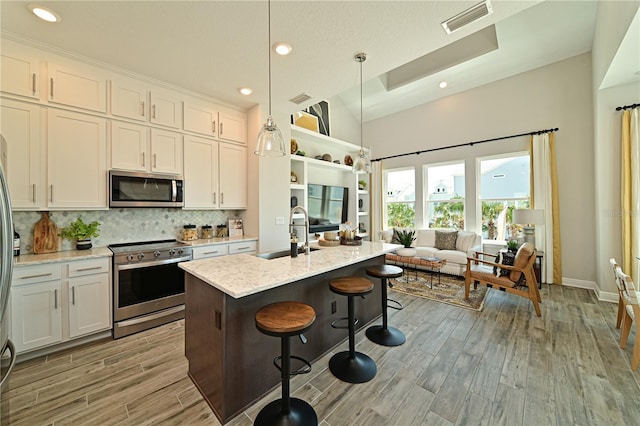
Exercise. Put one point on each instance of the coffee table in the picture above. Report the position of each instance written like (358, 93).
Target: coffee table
(433, 264)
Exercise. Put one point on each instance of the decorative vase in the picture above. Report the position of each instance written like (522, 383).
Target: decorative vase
(84, 244)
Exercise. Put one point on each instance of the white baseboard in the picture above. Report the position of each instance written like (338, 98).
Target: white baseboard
(604, 296)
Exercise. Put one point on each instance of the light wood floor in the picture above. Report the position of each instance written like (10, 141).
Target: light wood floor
(503, 366)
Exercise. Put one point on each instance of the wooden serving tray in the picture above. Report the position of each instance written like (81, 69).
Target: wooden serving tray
(356, 242)
(328, 243)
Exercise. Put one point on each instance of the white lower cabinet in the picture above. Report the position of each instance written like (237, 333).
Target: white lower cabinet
(215, 250)
(243, 247)
(58, 302)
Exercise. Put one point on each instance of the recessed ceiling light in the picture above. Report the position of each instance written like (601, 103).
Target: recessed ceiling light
(245, 90)
(44, 13)
(442, 84)
(282, 48)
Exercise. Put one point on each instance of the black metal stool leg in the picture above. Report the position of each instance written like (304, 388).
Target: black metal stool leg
(383, 334)
(352, 366)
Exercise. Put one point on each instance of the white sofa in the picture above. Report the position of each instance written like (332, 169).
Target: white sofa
(466, 244)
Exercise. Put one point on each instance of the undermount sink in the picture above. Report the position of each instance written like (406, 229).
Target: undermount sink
(283, 253)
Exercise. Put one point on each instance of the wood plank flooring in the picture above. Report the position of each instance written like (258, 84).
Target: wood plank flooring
(503, 366)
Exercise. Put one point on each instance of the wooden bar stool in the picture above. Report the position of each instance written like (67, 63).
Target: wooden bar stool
(286, 319)
(383, 334)
(351, 366)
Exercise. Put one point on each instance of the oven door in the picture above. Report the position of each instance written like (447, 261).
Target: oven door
(143, 288)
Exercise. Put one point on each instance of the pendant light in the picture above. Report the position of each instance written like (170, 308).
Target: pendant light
(270, 142)
(361, 164)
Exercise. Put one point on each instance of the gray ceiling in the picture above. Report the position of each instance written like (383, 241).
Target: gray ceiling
(215, 47)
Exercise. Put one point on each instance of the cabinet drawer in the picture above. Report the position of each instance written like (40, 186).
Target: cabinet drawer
(36, 274)
(210, 251)
(88, 267)
(244, 247)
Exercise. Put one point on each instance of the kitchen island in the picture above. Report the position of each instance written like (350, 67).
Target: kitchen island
(230, 361)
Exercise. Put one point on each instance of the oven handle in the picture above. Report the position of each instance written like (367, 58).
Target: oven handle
(124, 267)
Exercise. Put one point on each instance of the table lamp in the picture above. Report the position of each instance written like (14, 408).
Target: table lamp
(527, 218)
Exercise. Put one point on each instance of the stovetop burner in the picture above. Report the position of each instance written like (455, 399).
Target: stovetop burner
(145, 251)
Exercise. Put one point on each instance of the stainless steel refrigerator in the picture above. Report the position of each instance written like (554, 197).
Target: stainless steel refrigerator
(7, 360)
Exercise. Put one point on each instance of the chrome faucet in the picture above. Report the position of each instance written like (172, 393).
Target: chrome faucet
(307, 249)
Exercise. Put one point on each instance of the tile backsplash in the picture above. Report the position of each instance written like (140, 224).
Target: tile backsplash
(123, 225)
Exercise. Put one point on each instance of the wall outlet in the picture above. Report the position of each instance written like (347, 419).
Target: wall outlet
(334, 307)
(279, 220)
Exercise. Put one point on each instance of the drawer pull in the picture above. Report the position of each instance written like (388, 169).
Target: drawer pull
(211, 252)
(88, 269)
(243, 248)
(35, 276)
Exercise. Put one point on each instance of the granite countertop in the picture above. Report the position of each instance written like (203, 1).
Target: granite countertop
(217, 240)
(60, 256)
(244, 274)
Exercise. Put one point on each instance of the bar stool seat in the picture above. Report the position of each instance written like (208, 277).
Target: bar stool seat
(384, 334)
(286, 319)
(351, 366)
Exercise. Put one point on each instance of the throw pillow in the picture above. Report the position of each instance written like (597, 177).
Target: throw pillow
(503, 259)
(446, 240)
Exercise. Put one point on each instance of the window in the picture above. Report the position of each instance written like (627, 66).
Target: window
(444, 195)
(504, 185)
(400, 198)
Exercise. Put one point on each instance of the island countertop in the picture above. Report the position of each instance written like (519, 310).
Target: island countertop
(244, 274)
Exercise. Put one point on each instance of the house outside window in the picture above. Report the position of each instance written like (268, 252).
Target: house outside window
(400, 198)
(444, 198)
(503, 186)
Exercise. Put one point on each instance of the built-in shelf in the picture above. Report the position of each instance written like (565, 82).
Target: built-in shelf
(363, 213)
(363, 192)
(320, 163)
(297, 186)
(320, 138)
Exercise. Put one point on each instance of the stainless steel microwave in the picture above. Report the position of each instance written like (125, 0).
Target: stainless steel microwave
(135, 189)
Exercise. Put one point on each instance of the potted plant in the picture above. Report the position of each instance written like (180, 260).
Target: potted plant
(512, 245)
(362, 185)
(406, 238)
(81, 232)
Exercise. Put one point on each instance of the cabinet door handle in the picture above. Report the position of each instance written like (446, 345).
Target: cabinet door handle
(153, 111)
(221, 128)
(35, 276)
(142, 108)
(213, 127)
(55, 299)
(33, 190)
(52, 193)
(214, 198)
(144, 160)
(33, 83)
(73, 295)
(221, 198)
(51, 88)
(155, 160)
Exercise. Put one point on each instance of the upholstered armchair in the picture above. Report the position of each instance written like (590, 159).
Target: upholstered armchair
(480, 271)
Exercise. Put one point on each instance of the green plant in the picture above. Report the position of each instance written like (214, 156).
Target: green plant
(512, 244)
(406, 238)
(78, 230)
(362, 184)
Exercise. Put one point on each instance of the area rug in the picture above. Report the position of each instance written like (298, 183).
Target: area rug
(450, 290)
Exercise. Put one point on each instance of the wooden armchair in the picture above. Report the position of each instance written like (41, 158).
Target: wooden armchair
(481, 271)
(631, 300)
(614, 266)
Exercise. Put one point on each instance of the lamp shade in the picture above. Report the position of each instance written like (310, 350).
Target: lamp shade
(270, 141)
(528, 216)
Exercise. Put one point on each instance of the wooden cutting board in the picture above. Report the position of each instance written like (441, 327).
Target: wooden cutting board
(45, 235)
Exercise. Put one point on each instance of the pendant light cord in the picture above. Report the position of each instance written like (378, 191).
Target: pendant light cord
(361, 149)
(269, 50)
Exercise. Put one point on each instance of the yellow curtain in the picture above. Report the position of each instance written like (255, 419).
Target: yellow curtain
(544, 195)
(630, 181)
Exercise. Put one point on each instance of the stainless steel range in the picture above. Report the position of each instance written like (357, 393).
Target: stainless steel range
(148, 285)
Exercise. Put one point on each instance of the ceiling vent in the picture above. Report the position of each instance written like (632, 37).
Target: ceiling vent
(470, 15)
(302, 97)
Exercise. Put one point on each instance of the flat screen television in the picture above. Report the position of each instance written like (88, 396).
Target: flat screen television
(327, 206)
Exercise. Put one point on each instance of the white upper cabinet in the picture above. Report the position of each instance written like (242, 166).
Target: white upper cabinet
(129, 99)
(77, 87)
(129, 146)
(76, 161)
(200, 173)
(166, 152)
(233, 126)
(166, 108)
(201, 118)
(20, 72)
(233, 176)
(20, 126)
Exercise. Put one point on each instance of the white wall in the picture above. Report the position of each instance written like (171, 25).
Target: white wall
(557, 95)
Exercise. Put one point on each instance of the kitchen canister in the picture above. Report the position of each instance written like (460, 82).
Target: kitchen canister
(206, 231)
(189, 233)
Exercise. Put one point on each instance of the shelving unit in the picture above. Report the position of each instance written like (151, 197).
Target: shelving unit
(308, 169)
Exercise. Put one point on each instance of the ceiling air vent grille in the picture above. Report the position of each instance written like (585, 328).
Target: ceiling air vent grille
(470, 15)
(302, 97)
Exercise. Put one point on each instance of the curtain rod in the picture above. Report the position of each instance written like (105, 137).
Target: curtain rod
(628, 107)
(537, 132)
